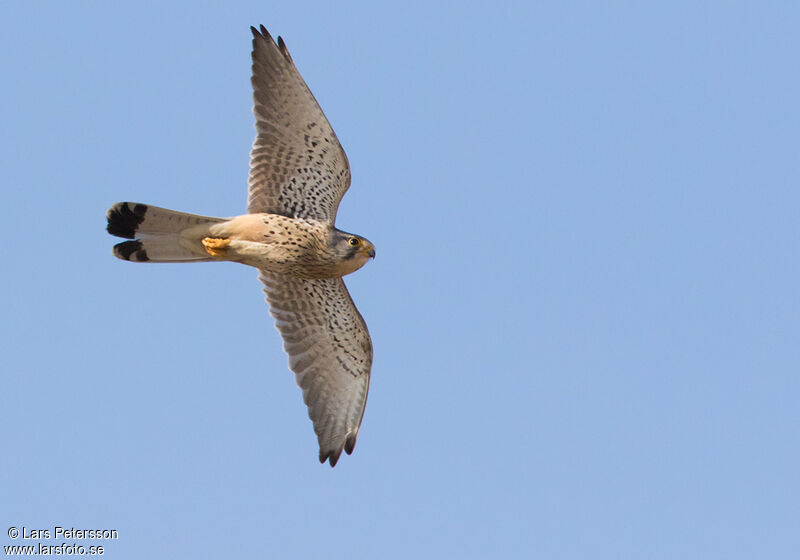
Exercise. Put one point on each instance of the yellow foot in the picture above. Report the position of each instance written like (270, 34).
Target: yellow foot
(215, 246)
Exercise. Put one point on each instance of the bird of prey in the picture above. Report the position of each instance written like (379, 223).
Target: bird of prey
(298, 174)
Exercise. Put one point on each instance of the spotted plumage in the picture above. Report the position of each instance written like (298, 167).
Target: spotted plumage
(298, 174)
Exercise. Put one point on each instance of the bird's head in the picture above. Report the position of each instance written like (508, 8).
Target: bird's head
(352, 250)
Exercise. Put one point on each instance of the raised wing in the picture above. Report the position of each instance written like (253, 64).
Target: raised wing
(330, 352)
(297, 166)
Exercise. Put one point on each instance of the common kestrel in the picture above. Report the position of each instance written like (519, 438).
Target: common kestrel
(298, 174)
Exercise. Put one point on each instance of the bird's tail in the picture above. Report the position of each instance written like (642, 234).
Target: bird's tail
(158, 234)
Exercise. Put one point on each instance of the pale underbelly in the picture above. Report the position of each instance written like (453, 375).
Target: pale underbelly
(288, 260)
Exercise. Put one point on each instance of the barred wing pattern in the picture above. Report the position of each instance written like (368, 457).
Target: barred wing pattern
(297, 167)
(330, 352)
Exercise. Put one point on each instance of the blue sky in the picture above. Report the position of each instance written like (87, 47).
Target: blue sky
(584, 308)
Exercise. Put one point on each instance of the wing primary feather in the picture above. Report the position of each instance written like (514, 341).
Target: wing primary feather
(331, 456)
(284, 49)
(350, 444)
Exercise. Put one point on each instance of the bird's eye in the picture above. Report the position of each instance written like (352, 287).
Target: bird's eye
(354, 242)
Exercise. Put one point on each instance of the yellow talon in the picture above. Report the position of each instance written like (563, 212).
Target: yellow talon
(215, 246)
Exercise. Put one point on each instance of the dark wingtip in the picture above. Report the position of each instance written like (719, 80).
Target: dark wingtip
(283, 48)
(350, 444)
(124, 218)
(330, 456)
(260, 33)
(131, 251)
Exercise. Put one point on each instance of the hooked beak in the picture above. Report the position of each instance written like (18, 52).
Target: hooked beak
(368, 249)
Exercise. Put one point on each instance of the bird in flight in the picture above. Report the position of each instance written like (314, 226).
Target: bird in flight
(298, 174)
